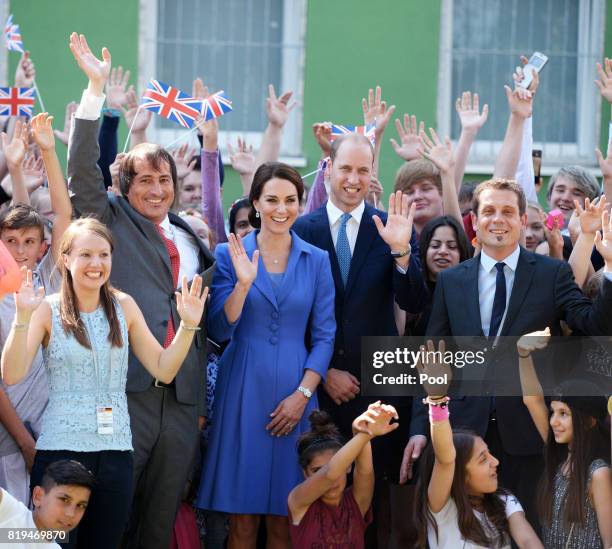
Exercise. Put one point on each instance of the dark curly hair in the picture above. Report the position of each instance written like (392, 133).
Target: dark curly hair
(323, 435)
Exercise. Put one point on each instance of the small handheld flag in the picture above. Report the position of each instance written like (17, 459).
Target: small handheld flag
(12, 35)
(216, 105)
(369, 131)
(171, 103)
(17, 101)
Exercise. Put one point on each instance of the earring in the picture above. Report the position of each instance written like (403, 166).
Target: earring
(256, 214)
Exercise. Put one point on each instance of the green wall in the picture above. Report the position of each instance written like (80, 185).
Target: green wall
(350, 47)
(46, 27)
(353, 46)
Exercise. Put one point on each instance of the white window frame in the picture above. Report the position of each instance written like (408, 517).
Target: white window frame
(292, 78)
(590, 46)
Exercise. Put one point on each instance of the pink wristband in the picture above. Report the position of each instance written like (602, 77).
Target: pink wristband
(438, 413)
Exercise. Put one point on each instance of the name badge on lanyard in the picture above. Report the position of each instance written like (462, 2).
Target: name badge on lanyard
(105, 420)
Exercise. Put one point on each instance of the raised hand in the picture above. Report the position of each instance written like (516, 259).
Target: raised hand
(376, 420)
(242, 158)
(199, 90)
(116, 87)
(519, 74)
(144, 116)
(375, 111)
(114, 171)
(246, 269)
(605, 164)
(33, 172)
(96, 71)
(15, 150)
(27, 299)
(322, 133)
(409, 138)
(603, 240)
(555, 240)
(441, 154)
(590, 216)
(398, 229)
(182, 156)
(605, 79)
(25, 73)
(435, 370)
(533, 341)
(520, 101)
(374, 192)
(468, 109)
(190, 301)
(278, 107)
(42, 131)
(64, 135)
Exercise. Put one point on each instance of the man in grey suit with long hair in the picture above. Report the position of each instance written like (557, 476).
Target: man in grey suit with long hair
(154, 249)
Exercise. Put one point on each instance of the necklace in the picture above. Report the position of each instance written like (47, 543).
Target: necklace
(275, 260)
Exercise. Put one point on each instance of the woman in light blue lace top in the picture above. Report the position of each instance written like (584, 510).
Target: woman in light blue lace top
(85, 331)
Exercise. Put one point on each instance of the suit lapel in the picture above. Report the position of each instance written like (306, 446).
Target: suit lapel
(365, 237)
(471, 289)
(262, 281)
(522, 281)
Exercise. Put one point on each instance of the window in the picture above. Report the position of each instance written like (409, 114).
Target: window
(481, 41)
(236, 45)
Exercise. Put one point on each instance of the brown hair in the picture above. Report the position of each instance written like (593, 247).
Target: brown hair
(500, 184)
(323, 436)
(264, 173)
(69, 310)
(417, 171)
(155, 155)
(22, 216)
(353, 137)
(470, 527)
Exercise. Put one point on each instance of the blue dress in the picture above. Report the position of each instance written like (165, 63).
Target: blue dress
(246, 470)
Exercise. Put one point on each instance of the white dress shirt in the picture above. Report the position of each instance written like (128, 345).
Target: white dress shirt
(487, 274)
(189, 251)
(352, 226)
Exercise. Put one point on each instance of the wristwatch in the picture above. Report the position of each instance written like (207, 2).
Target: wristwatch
(396, 255)
(305, 391)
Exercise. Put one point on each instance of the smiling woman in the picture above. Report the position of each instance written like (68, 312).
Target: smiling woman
(84, 331)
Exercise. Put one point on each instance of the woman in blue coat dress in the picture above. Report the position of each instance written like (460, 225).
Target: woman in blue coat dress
(269, 291)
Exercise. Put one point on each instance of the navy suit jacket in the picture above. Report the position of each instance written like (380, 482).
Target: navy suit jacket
(544, 293)
(365, 306)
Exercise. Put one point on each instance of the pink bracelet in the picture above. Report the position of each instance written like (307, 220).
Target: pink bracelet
(438, 413)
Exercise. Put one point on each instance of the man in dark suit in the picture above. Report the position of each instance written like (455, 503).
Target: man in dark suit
(373, 266)
(508, 291)
(153, 250)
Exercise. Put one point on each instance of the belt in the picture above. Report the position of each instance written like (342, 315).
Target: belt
(161, 385)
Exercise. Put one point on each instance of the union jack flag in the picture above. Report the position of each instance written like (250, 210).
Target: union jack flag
(369, 131)
(216, 105)
(12, 35)
(17, 101)
(171, 103)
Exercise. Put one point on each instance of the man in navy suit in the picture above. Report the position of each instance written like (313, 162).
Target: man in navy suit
(508, 291)
(373, 266)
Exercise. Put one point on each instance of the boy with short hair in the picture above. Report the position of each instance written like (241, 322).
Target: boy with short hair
(59, 504)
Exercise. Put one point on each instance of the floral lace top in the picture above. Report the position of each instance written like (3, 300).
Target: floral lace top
(81, 380)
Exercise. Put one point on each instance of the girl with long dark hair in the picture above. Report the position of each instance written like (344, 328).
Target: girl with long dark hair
(575, 496)
(460, 504)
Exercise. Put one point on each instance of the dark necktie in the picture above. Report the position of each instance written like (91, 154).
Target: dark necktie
(499, 301)
(343, 249)
(175, 264)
